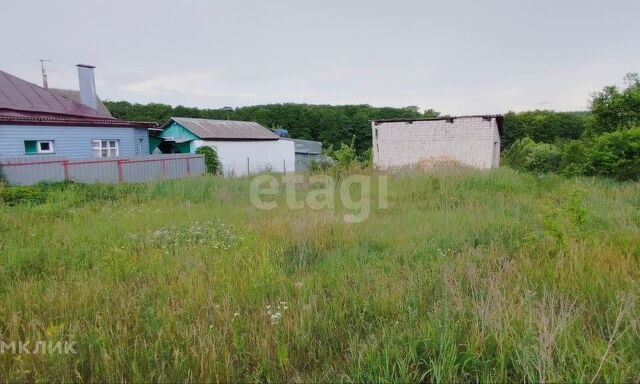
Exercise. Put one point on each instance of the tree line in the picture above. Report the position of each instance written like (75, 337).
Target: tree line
(605, 141)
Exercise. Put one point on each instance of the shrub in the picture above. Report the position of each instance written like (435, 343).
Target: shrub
(575, 157)
(211, 160)
(22, 195)
(322, 163)
(367, 158)
(344, 157)
(527, 155)
(3, 177)
(616, 154)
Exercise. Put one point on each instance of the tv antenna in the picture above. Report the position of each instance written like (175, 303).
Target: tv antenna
(45, 85)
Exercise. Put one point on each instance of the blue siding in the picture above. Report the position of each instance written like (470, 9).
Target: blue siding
(178, 132)
(142, 141)
(72, 142)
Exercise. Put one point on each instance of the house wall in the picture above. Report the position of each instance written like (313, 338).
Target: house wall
(276, 155)
(472, 141)
(178, 132)
(72, 142)
(141, 136)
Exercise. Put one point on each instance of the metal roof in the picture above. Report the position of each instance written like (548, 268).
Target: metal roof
(20, 95)
(16, 119)
(74, 95)
(308, 147)
(224, 129)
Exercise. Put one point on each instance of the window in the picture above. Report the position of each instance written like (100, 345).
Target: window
(105, 148)
(32, 147)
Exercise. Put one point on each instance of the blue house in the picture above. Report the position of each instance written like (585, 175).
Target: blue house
(40, 121)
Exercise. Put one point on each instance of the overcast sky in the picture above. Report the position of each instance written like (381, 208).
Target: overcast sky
(458, 57)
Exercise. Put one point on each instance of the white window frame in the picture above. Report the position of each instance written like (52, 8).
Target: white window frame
(98, 146)
(40, 150)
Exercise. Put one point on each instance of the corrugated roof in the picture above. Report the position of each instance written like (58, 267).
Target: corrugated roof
(224, 129)
(75, 96)
(20, 95)
(17, 119)
(308, 147)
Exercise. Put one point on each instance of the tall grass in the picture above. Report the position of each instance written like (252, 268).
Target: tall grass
(467, 276)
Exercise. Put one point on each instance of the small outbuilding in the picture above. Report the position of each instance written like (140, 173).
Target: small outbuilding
(306, 151)
(469, 140)
(244, 147)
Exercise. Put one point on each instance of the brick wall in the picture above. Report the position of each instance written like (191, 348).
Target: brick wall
(473, 141)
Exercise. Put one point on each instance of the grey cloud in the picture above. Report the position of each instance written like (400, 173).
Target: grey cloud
(455, 56)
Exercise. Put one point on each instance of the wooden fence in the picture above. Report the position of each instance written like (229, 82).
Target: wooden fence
(27, 170)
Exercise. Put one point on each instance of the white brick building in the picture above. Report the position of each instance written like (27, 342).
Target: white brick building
(470, 140)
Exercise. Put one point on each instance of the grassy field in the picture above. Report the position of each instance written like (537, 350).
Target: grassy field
(466, 276)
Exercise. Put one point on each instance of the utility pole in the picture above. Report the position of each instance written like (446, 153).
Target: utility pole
(45, 84)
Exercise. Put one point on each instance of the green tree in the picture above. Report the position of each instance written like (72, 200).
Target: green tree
(544, 126)
(614, 108)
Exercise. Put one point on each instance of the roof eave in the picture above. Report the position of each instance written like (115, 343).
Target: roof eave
(237, 139)
(76, 122)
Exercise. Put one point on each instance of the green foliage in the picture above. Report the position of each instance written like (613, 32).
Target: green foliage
(323, 163)
(366, 159)
(607, 143)
(575, 157)
(543, 126)
(527, 155)
(3, 177)
(22, 195)
(614, 109)
(60, 192)
(616, 154)
(329, 124)
(211, 160)
(430, 113)
(345, 156)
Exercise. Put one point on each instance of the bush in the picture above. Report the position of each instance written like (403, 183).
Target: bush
(527, 155)
(22, 195)
(344, 157)
(3, 177)
(616, 154)
(575, 157)
(211, 160)
(322, 163)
